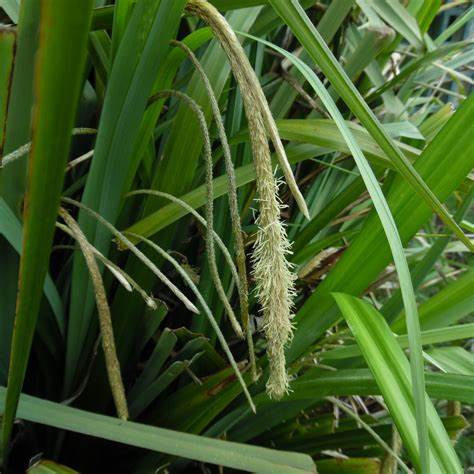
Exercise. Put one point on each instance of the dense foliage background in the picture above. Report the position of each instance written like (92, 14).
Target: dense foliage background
(104, 116)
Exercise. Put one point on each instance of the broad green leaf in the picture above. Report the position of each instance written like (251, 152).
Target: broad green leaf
(17, 132)
(395, 15)
(57, 87)
(175, 174)
(360, 381)
(319, 132)
(391, 371)
(8, 260)
(328, 26)
(182, 151)
(148, 328)
(393, 305)
(215, 451)
(426, 14)
(316, 384)
(296, 18)
(448, 306)
(233, 4)
(267, 419)
(209, 361)
(433, 124)
(455, 26)
(313, 440)
(349, 466)
(191, 408)
(394, 108)
(164, 81)
(268, 20)
(99, 51)
(122, 11)
(324, 217)
(417, 64)
(325, 133)
(404, 129)
(206, 398)
(367, 44)
(151, 393)
(333, 17)
(170, 213)
(103, 16)
(161, 352)
(434, 72)
(18, 126)
(318, 245)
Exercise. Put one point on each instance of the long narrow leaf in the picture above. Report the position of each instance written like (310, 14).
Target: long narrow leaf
(296, 18)
(448, 306)
(396, 247)
(444, 164)
(7, 49)
(10, 228)
(145, 40)
(234, 455)
(18, 125)
(391, 371)
(58, 81)
(432, 336)
(323, 133)
(454, 360)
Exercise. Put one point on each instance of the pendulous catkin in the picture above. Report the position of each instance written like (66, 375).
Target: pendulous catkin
(242, 282)
(210, 249)
(248, 83)
(271, 269)
(105, 320)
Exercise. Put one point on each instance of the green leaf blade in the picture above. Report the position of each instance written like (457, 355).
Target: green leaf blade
(391, 371)
(396, 248)
(58, 81)
(144, 46)
(304, 30)
(225, 453)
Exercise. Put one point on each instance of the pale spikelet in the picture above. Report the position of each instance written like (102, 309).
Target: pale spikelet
(105, 320)
(272, 271)
(25, 149)
(124, 278)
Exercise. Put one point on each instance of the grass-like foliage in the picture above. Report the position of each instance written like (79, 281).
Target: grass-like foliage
(236, 235)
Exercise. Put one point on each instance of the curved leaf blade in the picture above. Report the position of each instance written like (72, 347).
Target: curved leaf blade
(225, 453)
(391, 371)
(396, 248)
(295, 17)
